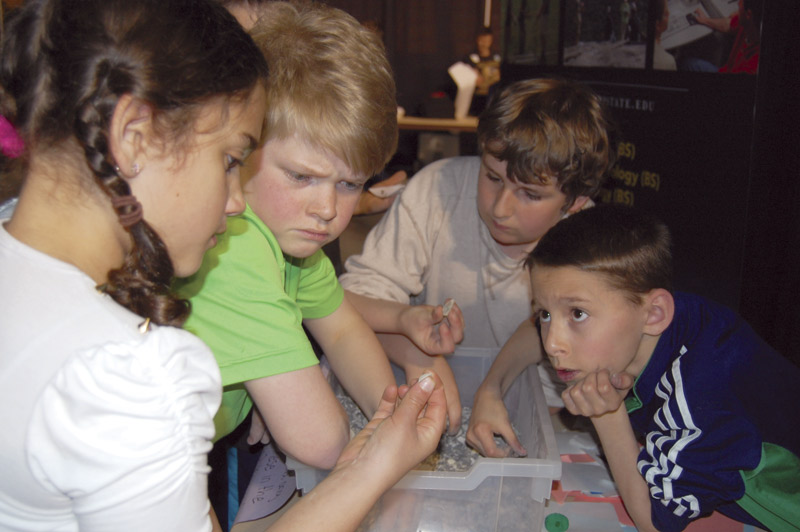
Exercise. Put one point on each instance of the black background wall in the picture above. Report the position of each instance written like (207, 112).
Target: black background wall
(771, 265)
(716, 156)
(423, 38)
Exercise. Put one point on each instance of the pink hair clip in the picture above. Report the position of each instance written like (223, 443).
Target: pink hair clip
(11, 143)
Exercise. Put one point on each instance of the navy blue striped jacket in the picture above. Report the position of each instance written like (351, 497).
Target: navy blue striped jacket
(714, 403)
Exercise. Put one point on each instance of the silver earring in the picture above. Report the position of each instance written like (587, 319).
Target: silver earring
(135, 169)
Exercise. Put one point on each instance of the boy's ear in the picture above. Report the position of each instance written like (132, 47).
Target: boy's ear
(660, 307)
(131, 126)
(578, 204)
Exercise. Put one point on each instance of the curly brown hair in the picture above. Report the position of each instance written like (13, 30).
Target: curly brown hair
(550, 129)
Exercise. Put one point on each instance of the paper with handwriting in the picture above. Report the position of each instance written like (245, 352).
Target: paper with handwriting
(270, 487)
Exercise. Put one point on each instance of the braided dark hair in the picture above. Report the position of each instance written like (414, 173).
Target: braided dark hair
(66, 63)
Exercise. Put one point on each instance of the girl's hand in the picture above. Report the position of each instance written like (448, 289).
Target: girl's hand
(403, 431)
(598, 393)
(439, 365)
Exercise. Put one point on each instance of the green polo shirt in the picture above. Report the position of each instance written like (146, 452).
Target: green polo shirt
(248, 302)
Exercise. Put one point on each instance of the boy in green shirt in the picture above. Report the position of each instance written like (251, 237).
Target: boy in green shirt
(330, 124)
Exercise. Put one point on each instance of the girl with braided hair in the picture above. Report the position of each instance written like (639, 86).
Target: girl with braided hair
(134, 117)
(129, 121)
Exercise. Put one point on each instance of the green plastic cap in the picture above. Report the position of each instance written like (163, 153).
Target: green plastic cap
(556, 523)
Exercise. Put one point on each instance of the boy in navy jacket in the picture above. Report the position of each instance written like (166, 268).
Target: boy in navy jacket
(694, 411)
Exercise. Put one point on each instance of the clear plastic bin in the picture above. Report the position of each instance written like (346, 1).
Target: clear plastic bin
(496, 494)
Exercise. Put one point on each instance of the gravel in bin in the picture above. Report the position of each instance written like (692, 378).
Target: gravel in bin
(452, 455)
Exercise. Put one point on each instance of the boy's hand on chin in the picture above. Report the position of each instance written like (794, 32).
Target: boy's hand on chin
(598, 393)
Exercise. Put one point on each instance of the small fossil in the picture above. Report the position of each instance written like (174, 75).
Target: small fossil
(448, 306)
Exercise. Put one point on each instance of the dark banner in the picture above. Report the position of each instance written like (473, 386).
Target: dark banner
(679, 77)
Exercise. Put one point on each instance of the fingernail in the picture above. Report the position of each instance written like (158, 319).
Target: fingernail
(426, 381)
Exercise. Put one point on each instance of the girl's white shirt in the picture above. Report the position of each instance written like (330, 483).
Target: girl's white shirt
(103, 427)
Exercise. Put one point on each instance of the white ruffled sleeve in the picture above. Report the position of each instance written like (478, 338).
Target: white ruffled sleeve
(124, 431)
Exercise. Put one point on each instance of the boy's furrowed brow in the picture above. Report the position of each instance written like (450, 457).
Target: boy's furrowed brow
(298, 165)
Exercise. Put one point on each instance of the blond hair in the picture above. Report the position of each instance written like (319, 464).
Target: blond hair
(330, 83)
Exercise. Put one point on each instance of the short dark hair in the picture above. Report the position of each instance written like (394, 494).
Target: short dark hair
(629, 247)
(249, 3)
(755, 7)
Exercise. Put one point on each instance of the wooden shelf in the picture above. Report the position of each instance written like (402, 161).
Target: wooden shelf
(469, 123)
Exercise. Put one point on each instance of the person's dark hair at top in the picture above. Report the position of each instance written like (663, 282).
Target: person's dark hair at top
(227, 3)
(629, 247)
(661, 6)
(65, 64)
(550, 129)
(756, 9)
